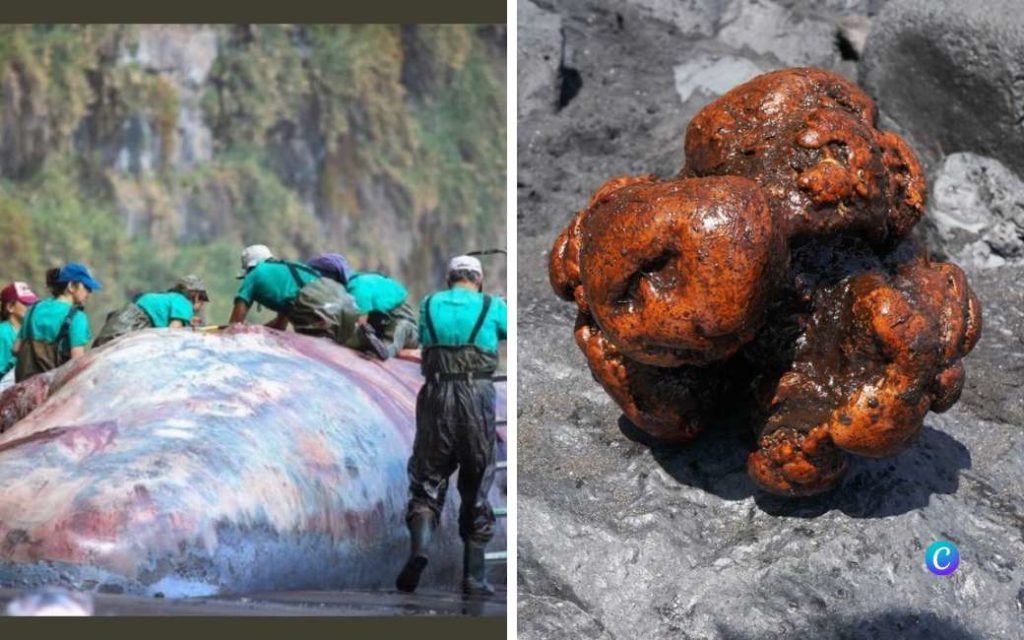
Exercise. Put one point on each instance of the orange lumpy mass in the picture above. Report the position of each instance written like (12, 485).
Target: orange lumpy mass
(773, 274)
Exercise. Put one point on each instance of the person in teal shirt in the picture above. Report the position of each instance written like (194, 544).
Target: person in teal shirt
(387, 322)
(56, 330)
(15, 299)
(460, 330)
(312, 304)
(454, 314)
(174, 308)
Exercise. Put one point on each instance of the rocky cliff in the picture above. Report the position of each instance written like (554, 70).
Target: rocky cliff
(146, 151)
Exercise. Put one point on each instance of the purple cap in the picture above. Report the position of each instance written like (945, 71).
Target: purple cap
(332, 265)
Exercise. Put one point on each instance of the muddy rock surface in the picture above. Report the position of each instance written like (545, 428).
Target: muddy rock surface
(622, 537)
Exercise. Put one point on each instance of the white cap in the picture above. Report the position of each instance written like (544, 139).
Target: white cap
(253, 255)
(465, 263)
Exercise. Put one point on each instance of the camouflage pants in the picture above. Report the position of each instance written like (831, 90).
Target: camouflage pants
(397, 328)
(324, 308)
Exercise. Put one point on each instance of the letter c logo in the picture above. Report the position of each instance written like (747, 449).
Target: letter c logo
(942, 558)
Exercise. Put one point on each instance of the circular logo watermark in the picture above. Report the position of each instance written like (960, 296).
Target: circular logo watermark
(942, 558)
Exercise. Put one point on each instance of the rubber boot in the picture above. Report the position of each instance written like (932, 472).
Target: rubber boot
(376, 344)
(420, 531)
(474, 571)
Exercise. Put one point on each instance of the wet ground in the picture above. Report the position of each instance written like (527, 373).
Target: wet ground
(298, 603)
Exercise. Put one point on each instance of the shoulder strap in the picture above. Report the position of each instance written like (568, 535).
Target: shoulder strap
(65, 329)
(28, 323)
(480, 320)
(294, 268)
(65, 326)
(429, 320)
(295, 274)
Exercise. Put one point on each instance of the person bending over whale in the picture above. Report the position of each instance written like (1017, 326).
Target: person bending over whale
(300, 296)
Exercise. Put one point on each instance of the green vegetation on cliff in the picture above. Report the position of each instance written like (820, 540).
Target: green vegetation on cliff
(121, 147)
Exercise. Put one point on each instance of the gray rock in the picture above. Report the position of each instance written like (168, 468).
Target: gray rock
(839, 7)
(184, 51)
(950, 75)
(691, 17)
(627, 91)
(539, 56)
(976, 208)
(545, 617)
(1006, 238)
(994, 389)
(183, 55)
(853, 33)
(713, 75)
(618, 539)
(798, 36)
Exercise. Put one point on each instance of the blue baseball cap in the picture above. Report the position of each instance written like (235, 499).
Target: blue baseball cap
(74, 272)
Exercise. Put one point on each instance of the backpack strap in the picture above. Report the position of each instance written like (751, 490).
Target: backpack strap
(63, 335)
(429, 320)
(295, 274)
(28, 323)
(480, 320)
(293, 268)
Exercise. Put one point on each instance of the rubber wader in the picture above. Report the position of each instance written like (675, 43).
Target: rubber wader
(37, 356)
(128, 320)
(455, 430)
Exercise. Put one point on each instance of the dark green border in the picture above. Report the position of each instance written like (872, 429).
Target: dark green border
(231, 11)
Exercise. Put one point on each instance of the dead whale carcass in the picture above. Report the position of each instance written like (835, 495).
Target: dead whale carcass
(190, 464)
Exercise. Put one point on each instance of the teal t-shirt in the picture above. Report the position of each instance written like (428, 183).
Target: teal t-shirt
(7, 337)
(271, 284)
(164, 307)
(454, 314)
(45, 318)
(374, 292)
